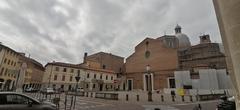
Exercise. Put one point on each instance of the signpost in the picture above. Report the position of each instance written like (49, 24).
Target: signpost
(77, 79)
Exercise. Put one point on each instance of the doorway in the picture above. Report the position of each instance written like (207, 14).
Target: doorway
(171, 83)
(130, 84)
(100, 87)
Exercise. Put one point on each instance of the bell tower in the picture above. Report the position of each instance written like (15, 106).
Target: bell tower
(178, 29)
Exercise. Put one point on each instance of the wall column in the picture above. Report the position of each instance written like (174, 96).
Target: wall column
(228, 16)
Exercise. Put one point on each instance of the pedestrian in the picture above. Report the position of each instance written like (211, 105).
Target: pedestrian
(199, 107)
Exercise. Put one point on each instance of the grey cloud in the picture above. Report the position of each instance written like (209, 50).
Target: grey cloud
(115, 26)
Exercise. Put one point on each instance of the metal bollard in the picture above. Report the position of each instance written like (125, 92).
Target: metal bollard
(71, 103)
(183, 99)
(65, 103)
(162, 98)
(191, 99)
(126, 97)
(173, 98)
(137, 97)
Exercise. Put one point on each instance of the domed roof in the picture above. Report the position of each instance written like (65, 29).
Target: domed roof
(183, 40)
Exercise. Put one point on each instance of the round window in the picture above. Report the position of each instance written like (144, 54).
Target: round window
(147, 54)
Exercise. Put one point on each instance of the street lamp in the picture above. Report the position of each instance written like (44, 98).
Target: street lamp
(77, 79)
(149, 83)
(50, 76)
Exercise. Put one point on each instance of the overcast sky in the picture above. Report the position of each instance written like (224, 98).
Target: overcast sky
(62, 30)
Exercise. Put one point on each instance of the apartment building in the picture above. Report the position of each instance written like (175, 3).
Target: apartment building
(62, 75)
(9, 67)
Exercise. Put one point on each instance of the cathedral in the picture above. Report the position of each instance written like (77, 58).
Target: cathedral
(157, 57)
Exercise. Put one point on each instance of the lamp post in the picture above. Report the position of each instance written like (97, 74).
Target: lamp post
(77, 79)
(149, 83)
(50, 76)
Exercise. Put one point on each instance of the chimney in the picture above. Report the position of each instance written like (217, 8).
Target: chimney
(85, 56)
(205, 39)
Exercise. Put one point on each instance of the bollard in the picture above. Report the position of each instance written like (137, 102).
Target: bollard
(65, 103)
(137, 97)
(50, 97)
(91, 94)
(173, 98)
(191, 99)
(126, 97)
(183, 99)
(46, 95)
(71, 103)
(162, 98)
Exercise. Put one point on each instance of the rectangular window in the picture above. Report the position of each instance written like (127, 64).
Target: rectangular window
(63, 78)
(55, 77)
(70, 78)
(8, 62)
(111, 77)
(88, 75)
(93, 86)
(72, 70)
(2, 70)
(106, 77)
(101, 76)
(64, 69)
(104, 66)
(95, 76)
(57, 69)
(5, 60)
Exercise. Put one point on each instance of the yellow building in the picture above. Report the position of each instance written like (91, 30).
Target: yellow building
(34, 73)
(62, 75)
(9, 67)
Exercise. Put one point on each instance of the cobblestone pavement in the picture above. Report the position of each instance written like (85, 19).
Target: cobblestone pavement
(86, 103)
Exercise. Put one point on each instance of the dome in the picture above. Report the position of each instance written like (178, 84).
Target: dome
(183, 40)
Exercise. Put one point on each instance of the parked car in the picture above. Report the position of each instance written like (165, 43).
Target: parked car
(48, 90)
(30, 90)
(18, 101)
(80, 89)
(60, 90)
(227, 103)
